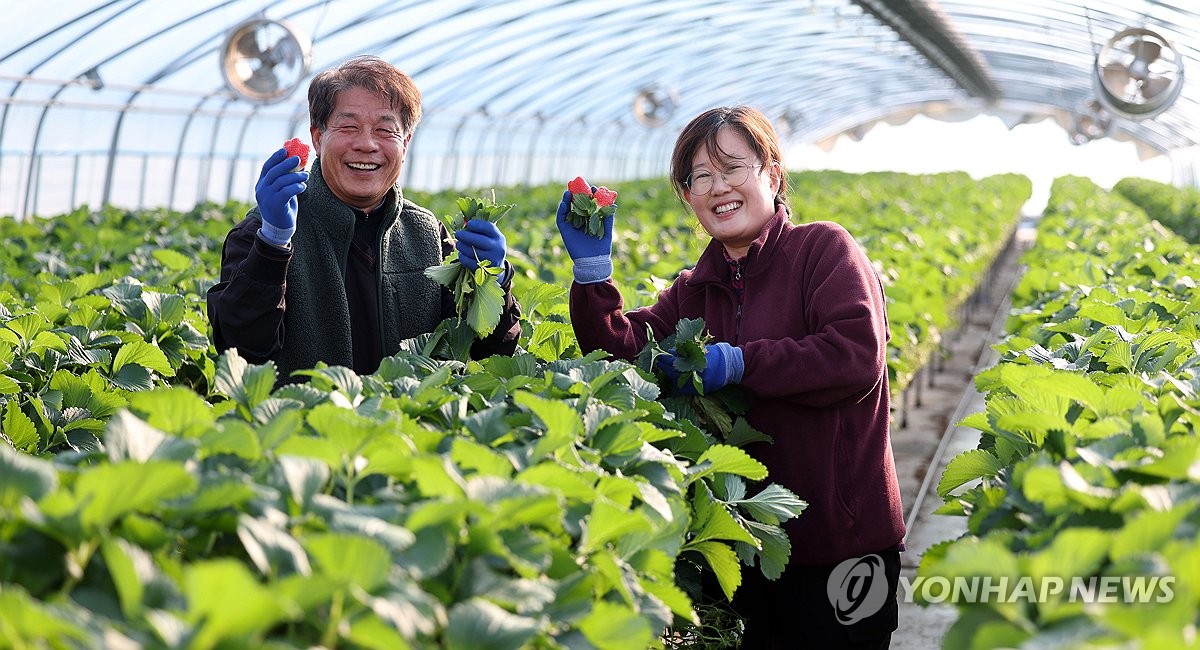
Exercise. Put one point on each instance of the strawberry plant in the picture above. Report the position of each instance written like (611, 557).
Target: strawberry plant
(478, 298)
(589, 209)
(1085, 469)
(722, 412)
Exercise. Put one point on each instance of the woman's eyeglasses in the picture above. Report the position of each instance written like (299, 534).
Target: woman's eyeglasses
(701, 183)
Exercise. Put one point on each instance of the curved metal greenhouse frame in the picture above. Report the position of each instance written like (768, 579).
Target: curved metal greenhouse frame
(124, 101)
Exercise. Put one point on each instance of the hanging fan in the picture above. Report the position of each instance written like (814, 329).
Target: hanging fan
(265, 60)
(654, 105)
(1090, 122)
(789, 122)
(1138, 74)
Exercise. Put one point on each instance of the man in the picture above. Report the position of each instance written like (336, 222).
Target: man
(330, 264)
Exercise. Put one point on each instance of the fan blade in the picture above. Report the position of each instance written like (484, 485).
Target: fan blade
(264, 80)
(1116, 78)
(247, 45)
(1155, 86)
(286, 52)
(1146, 52)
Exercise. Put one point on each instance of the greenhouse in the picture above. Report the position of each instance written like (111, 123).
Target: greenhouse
(742, 392)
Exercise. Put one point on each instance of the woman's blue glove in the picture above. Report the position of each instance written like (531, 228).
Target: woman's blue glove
(723, 365)
(592, 257)
(480, 240)
(276, 192)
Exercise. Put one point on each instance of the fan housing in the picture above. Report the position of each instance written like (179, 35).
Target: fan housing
(265, 60)
(1138, 74)
(654, 105)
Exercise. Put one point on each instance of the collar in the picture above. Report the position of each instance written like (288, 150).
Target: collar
(713, 267)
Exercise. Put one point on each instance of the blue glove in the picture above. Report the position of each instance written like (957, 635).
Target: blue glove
(481, 240)
(723, 365)
(592, 257)
(276, 192)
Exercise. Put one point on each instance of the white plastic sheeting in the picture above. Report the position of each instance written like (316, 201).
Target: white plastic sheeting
(124, 100)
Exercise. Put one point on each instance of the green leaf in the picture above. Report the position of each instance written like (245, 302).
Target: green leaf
(350, 560)
(19, 429)
(226, 603)
(724, 458)
(304, 477)
(274, 551)
(104, 493)
(773, 505)
(671, 596)
(610, 626)
(724, 563)
(29, 622)
(245, 384)
(485, 309)
(562, 424)
(8, 386)
(172, 259)
(477, 624)
(131, 568)
(609, 521)
(447, 273)
(370, 630)
(145, 355)
(774, 551)
(176, 410)
(130, 438)
(469, 454)
(1149, 530)
(23, 476)
(966, 467)
(720, 524)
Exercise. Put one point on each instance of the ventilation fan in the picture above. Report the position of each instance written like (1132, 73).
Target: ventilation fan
(654, 105)
(1089, 122)
(265, 60)
(1138, 74)
(789, 122)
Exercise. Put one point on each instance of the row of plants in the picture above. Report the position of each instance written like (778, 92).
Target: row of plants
(1175, 207)
(548, 499)
(1084, 485)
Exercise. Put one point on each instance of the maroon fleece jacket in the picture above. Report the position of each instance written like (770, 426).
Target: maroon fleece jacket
(813, 331)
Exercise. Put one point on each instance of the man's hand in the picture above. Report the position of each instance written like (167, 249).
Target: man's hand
(481, 240)
(276, 191)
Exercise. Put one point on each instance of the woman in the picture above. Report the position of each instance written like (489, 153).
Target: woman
(798, 315)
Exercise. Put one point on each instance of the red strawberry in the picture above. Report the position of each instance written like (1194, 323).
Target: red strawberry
(579, 186)
(295, 147)
(605, 196)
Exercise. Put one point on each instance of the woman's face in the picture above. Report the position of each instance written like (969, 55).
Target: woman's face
(733, 215)
(361, 149)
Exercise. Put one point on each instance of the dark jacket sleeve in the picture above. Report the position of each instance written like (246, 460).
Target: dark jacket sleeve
(503, 339)
(600, 322)
(246, 307)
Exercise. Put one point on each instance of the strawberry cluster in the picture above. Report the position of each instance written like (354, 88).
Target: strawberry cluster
(588, 208)
(295, 147)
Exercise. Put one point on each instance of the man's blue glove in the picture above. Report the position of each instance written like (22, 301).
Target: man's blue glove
(723, 365)
(592, 257)
(276, 192)
(480, 240)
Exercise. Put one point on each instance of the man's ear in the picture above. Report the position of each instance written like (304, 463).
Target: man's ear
(315, 133)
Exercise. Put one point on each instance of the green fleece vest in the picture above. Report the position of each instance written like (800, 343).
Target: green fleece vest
(317, 319)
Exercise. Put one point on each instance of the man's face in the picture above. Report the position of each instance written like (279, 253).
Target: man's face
(361, 149)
